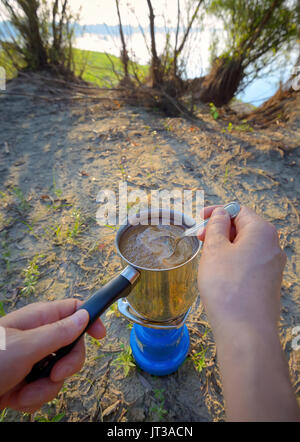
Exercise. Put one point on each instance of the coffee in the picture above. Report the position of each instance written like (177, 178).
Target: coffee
(147, 246)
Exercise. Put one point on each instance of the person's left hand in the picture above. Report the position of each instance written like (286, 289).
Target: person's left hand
(32, 333)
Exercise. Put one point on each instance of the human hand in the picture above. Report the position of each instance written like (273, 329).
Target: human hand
(32, 333)
(240, 270)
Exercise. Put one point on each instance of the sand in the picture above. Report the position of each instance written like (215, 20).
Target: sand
(55, 156)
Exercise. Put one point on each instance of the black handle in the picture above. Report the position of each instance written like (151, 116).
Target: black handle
(96, 305)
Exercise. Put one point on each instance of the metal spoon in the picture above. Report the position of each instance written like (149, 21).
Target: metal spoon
(232, 208)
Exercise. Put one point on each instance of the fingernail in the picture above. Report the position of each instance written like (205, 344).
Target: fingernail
(219, 211)
(80, 317)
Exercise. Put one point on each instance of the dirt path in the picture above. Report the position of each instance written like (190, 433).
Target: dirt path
(54, 159)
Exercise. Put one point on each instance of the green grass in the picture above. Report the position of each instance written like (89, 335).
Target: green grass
(98, 67)
(6, 63)
(158, 410)
(31, 276)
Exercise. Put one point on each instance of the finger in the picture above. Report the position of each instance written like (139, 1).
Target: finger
(32, 396)
(97, 329)
(48, 338)
(70, 364)
(246, 220)
(40, 313)
(206, 213)
(232, 232)
(218, 228)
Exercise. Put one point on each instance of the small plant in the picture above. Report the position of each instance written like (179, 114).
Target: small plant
(56, 418)
(75, 229)
(158, 410)
(58, 192)
(22, 202)
(95, 341)
(111, 227)
(199, 359)
(3, 415)
(213, 111)
(2, 311)
(244, 127)
(125, 360)
(229, 127)
(31, 276)
(66, 231)
(113, 310)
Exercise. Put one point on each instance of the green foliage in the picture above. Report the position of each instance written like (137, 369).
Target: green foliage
(21, 200)
(31, 276)
(199, 359)
(75, 228)
(2, 311)
(113, 310)
(56, 418)
(255, 30)
(3, 415)
(41, 34)
(158, 410)
(213, 111)
(243, 127)
(125, 360)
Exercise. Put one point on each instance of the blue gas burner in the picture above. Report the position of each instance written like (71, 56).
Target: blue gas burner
(158, 348)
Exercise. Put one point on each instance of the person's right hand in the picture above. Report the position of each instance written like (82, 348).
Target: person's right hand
(240, 271)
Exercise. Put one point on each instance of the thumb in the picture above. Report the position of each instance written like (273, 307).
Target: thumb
(218, 228)
(50, 337)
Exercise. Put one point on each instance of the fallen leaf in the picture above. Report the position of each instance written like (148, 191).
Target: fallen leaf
(83, 173)
(111, 408)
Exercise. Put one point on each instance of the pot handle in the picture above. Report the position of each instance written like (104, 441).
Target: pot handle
(95, 306)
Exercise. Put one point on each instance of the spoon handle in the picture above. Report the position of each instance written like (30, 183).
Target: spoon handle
(232, 208)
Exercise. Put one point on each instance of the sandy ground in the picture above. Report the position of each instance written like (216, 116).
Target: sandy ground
(55, 156)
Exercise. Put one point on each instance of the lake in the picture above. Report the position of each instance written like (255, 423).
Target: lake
(196, 59)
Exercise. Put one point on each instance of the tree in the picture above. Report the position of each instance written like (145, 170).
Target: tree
(124, 53)
(155, 68)
(255, 31)
(164, 67)
(43, 32)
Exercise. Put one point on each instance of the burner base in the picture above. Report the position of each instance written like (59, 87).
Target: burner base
(159, 352)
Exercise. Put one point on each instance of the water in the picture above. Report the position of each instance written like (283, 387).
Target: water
(197, 63)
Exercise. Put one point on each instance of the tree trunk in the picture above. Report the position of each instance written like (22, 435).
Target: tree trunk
(156, 74)
(37, 55)
(124, 52)
(220, 85)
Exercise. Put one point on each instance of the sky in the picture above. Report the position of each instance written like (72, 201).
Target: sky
(104, 11)
(198, 62)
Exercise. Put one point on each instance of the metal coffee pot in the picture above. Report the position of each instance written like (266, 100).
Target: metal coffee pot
(157, 298)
